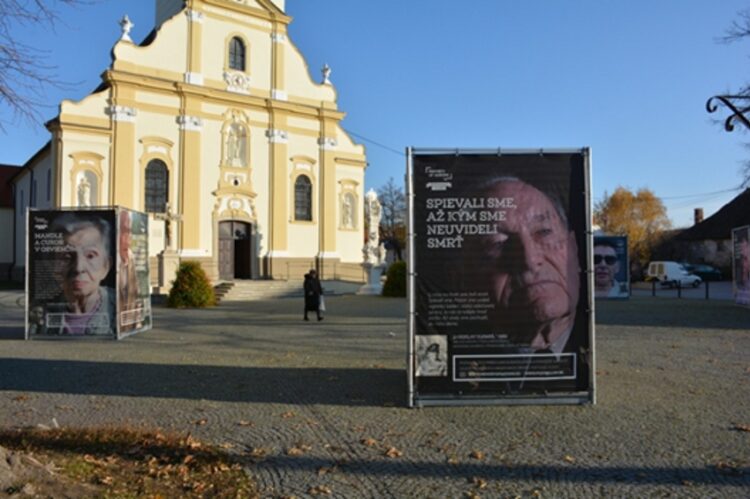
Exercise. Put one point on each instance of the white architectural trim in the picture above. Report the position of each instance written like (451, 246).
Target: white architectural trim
(277, 254)
(278, 37)
(328, 254)
(194, 16)
(327, 143)
(190, 123)
(193, 253)
(237, 82)
(122, 113)
(279, 95)
(277, 136)
(194, 78)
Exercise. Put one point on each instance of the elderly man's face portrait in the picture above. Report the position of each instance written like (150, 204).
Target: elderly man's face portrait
(534, 264)
(87, 262)
(606, 266)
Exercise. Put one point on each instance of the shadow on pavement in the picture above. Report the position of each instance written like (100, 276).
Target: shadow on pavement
(672, 312)
(346, 386)
(12, 333)
(714, 475)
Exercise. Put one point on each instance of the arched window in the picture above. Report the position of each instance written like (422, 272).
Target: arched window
(303, 199)
(157, 186)
(237, 54)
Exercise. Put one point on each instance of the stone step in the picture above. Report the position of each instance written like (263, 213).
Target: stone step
(264, 290)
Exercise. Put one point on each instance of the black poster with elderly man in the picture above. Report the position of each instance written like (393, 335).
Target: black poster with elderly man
(74, 261)
(501, 286)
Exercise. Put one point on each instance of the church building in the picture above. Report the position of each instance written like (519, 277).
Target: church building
(214, 127)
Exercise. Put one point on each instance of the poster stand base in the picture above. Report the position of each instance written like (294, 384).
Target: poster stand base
(557, 399)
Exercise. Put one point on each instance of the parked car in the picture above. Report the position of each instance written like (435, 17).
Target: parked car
(672, 274)
(705, 272)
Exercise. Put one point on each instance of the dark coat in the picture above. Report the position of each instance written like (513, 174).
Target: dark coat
(313, 290)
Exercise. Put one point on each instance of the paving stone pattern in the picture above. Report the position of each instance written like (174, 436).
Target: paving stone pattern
(319, 408)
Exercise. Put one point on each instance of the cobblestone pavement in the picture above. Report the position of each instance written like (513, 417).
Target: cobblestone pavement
(316, 407)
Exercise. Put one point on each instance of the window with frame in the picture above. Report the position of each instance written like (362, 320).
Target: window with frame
(237, 54)
(303, 199)
(157, 183)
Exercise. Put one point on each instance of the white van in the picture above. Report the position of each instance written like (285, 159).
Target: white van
(672, 274)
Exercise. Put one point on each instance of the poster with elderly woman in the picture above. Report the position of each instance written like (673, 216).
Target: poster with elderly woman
(73, 262)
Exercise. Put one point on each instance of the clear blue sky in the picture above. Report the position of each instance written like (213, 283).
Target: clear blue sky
(627, 78)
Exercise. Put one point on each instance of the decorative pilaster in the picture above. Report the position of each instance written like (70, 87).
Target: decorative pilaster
(278, 53)
(279, 196)
(122, 177)
(194, 74)
(327, 254)
(190, 176)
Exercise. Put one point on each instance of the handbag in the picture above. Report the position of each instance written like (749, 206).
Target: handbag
(322, 304)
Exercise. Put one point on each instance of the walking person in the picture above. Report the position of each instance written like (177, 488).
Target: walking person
(313, 294)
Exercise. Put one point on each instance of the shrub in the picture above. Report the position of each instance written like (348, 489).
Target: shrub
(395, 280)
(191, 288)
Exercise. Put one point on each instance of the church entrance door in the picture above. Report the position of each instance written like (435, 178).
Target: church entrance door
(235, 250)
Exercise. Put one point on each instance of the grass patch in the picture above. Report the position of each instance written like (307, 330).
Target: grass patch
(124, 463)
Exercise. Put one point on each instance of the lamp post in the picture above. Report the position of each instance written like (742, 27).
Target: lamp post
(738, 104)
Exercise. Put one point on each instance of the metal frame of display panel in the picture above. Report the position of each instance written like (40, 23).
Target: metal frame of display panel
(415, 399)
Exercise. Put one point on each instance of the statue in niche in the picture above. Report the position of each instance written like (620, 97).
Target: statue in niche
(236, 145)
(347, 218)
(84, 191)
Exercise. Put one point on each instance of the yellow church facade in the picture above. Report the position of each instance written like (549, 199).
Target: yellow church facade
(214, 126)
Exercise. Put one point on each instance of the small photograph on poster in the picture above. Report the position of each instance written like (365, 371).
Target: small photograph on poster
(741, 265)
(71, 273)
(432, 355)
(611, 267)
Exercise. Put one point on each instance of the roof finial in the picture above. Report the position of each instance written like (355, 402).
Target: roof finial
(326, 74)
(126, 26)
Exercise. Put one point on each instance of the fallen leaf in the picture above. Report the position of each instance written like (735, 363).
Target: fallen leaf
(106, 480)
(294, 451)
(201, 422)
(477, 454)
(324, 470)
(258, 452)
(21, 398)
(188, 459)
(245, 423)
(393, 452)
(569, 459)
(287, 415)
(319, 490)
(370, 442)
(479, 483)
(742, 427)
(452, 460)
(227, 445)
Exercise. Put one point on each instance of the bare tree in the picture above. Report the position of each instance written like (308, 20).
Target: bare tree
(739, 31)
(393, 220)
(24, 72)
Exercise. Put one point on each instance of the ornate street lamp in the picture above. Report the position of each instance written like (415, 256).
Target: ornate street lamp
(738, 104)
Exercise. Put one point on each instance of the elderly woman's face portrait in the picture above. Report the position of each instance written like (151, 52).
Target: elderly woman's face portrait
(87, 262)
